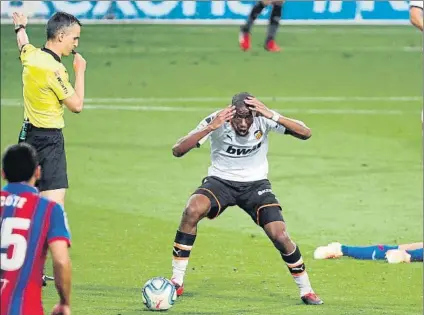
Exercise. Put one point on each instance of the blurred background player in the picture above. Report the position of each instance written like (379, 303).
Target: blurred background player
(274, 23)
(46, 90)
(238, 176)
(30, 225)
(392, 253)
(416, 13)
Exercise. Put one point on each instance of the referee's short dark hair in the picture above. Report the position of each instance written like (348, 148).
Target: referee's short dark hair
(58, 22)
(19, 162)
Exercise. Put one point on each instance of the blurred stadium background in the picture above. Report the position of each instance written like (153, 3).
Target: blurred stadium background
(352, 70)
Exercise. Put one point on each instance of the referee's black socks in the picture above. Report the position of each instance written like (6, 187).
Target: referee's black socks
(274, 21)
(256, 10)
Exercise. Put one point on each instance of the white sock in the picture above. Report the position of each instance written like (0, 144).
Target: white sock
(297, 268)
(303, 284)
(179, 267)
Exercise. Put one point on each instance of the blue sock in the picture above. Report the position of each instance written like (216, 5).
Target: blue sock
(376, 252)
(416, 254)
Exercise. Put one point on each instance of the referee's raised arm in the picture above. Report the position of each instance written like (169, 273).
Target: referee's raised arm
(46, 91)
(20, 22)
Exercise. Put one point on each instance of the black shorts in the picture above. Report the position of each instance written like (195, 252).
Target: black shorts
(255, 198)
(50, 147)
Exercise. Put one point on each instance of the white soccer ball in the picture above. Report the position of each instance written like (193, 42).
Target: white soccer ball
(159, 294)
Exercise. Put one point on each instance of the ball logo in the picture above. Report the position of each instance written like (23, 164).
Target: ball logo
(158, 304)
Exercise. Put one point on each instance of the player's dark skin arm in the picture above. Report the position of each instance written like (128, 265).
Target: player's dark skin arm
(191, 141)
(295, 128)
(62, 270)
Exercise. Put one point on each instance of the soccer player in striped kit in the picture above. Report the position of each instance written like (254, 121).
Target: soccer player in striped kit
(30, 225)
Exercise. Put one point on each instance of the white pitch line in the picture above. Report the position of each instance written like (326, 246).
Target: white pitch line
(224, 22)
(300, 99)
(287, 49)
(342, 30)
(321, 111)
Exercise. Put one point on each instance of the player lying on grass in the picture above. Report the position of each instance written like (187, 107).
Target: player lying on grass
(394, 254)
(238, 177)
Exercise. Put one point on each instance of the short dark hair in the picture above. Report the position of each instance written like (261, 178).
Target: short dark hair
(19, 162)
(238, 99)
(59, 21)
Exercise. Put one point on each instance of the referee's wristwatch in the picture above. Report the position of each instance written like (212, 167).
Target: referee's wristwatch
(19, 27)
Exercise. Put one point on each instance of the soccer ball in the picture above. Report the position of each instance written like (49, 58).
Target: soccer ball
(159, 294)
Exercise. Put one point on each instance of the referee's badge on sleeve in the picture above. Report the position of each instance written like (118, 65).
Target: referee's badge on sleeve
(60, 80)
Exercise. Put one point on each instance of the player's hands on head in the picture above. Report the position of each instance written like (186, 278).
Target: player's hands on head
(61, 309)
(256, 105)
(19, 19)
(224, 115)
(79, 63)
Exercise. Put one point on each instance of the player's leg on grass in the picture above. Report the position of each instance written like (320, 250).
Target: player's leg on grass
(209, 200)
(244, 37)
(264, 208)
(411, 246)
(405, 253)
(415, 254)
(373, 252)
(396, 256)
(274, 24)
(196, 209)
(277, 233)
(337, 250)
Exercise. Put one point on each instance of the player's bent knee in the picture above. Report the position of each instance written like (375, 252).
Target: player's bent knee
(268, 214)
(197, 207)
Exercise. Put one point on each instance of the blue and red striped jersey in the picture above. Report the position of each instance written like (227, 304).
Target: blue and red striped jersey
(29, 223)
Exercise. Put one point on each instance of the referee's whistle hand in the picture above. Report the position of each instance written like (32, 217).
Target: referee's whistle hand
(19, 19)
(79, 63)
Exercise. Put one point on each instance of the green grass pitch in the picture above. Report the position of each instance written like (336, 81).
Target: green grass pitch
(357, 180)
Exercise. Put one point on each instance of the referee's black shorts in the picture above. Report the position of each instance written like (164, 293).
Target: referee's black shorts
(50, 146)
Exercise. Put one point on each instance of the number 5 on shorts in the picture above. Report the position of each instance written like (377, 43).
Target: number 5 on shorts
(8, 238)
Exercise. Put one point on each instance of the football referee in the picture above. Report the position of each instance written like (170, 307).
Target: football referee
(46, 90)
